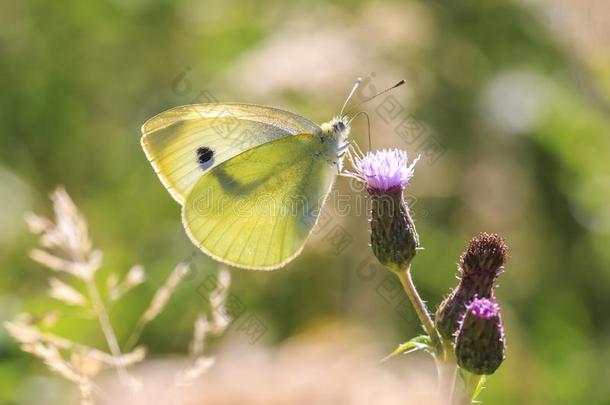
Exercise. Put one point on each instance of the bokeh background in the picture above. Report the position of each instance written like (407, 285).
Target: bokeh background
(507, 101)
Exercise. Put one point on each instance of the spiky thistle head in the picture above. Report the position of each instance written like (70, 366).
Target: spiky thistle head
(480, 346)
(485, 253)
(479, 267)
(385, 174)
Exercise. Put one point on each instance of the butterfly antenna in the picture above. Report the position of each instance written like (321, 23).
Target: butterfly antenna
(368, 122)
(400, 83)
(351, 93)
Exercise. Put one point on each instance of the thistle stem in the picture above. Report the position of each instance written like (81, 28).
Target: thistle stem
(420, 308)
(447, 376)
(445, 363)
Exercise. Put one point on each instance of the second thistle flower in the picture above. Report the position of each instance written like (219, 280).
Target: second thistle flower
(479, 267)
(480, 346)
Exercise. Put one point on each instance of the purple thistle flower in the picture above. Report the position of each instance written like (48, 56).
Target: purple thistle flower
(480, 346)
(483, 308)
(384, 170)
(479, 267)
(386, 173)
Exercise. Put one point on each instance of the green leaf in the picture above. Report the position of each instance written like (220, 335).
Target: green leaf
(422, 342)
(478, 388)
(474, 385)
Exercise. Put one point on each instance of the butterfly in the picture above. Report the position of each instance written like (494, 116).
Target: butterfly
(251, 179)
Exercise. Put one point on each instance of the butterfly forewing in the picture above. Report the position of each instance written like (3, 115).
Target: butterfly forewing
(257, 209)
(185, 142)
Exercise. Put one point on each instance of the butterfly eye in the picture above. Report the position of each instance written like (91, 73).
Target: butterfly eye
(204, 157)
(339, 126)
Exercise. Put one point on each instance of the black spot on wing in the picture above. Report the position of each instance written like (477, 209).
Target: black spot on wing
(205, 157)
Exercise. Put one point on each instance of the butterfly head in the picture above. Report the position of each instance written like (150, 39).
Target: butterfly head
(334, 135)
(338, 128)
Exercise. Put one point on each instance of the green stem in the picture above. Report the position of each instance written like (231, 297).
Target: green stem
(445, 361)
(447, 374)
(420, 308)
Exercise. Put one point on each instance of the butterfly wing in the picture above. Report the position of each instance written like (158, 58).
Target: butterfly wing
(172, 139)
(256, 210)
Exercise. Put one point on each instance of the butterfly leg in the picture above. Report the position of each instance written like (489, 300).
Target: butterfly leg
(342, 151)
(343, 148)
(352, 152)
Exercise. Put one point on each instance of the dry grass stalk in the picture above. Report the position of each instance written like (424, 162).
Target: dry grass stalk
(66, 247)
(206, 326)
(24, 332)
(201, 328)
(69, 249)
(218, 318)
(158, 303)
(63, 292)
(135, 276)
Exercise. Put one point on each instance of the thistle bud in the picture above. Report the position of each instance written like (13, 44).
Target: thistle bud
(479, 267)
(484, 257)
(479, 345)
(385, 174)
(394, 239)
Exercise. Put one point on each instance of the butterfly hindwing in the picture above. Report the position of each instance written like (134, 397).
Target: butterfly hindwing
(257, 209)
(185, 142)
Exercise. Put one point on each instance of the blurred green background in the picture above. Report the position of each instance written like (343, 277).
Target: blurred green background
(514, 94)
